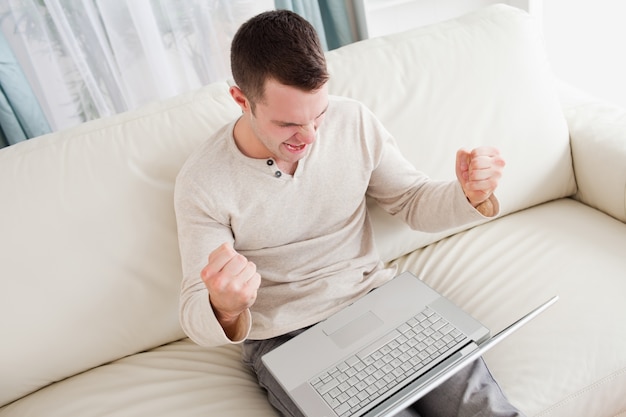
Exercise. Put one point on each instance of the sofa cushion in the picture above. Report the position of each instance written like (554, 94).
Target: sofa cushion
(178, 379)
(571, 360)
(91, 269)
(482, 79)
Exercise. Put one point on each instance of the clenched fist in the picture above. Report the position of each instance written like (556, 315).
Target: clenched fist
(232, 282)
(479, 171)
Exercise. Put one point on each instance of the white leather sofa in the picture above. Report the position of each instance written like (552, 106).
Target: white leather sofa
(90, 269)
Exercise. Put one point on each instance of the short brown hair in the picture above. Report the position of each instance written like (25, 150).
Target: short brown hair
(281, 45)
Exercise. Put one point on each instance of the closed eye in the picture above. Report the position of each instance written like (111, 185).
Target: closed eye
(288, 124)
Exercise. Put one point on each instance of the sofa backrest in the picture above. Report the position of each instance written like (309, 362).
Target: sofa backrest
(89, 263)
(482, 79)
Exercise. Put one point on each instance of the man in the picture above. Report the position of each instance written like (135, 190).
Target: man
(273, 225)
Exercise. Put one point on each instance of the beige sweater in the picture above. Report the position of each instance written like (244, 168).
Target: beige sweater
(309, 234)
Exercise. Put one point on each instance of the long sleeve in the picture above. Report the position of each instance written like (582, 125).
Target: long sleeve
(424, 204)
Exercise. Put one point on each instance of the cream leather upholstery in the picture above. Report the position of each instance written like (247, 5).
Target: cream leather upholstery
(90, 270)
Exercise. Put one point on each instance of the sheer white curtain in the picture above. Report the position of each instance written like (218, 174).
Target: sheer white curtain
(92, 58)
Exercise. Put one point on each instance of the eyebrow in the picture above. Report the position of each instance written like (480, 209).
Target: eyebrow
(278, 122)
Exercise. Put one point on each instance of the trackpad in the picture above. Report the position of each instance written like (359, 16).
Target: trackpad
(356, 329)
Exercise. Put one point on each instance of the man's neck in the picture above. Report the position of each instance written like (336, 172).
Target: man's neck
(246, 141)
(250, 146)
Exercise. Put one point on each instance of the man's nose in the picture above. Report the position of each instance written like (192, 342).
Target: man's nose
(307, 133)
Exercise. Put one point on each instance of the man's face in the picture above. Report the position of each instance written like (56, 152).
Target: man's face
(285, 122)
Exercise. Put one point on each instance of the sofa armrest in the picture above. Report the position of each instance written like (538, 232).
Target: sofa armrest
(598, 142)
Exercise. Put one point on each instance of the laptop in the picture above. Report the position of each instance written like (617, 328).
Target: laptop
(383, 352)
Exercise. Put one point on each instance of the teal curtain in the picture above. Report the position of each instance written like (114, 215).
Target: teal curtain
(21, 116)
(329, 17)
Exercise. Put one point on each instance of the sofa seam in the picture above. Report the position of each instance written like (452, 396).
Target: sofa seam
(579, 393)
(624, 208)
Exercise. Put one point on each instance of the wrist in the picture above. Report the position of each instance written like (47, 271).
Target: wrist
(229, 322)
(233, 325)
(486, 208)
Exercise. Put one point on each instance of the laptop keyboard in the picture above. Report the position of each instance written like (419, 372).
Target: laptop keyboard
(419, 343)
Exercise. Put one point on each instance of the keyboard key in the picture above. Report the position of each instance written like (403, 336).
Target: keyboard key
(403, 328)
(350, 362)
(328, 386)
(342, 408)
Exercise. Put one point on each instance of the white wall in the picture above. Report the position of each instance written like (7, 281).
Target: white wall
(381, 17)
(586, 44)
(585, 39)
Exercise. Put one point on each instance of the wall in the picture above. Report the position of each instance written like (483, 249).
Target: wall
(380, 17)
(585, 40)
(586, 44)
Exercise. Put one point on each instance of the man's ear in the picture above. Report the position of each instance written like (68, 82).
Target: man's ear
(240, 98)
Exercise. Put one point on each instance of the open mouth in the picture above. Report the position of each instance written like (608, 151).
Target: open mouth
(295, 148)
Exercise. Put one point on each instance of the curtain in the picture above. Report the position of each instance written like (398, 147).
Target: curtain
(331, 19)
(86, 59)
(20, 115)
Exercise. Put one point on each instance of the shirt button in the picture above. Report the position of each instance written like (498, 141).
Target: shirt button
(277, 174)
(270, 162)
